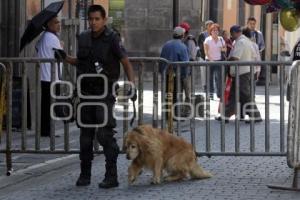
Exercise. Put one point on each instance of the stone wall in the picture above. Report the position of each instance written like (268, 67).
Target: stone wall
(148, 24)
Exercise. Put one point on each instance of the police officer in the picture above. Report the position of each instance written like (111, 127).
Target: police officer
(99, 53)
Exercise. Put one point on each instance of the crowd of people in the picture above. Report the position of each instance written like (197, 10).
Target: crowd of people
(214, 44)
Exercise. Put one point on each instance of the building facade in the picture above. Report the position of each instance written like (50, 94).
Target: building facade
(144, 25)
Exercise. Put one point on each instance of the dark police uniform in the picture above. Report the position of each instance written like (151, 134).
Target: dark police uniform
(103, 52)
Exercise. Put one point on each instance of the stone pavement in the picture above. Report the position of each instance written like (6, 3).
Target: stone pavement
(234, 178)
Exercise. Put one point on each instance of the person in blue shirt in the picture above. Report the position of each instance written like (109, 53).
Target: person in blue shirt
(256, 35)
(175, 50)
(258, 38)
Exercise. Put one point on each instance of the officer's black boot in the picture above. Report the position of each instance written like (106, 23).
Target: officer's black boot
(111, 151)
(85, 175)
(111, 176)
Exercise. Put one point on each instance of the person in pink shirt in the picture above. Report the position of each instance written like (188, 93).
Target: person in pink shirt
(214, 45)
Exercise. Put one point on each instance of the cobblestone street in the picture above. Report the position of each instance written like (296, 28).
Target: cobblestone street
(234, 178)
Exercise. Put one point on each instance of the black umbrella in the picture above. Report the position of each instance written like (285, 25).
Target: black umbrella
(38, 22)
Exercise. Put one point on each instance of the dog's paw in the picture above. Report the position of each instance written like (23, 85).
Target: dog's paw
(155, 181)
(131, 179)
(168, 179)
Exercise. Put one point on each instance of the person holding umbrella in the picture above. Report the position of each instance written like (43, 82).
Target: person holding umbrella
(99, 54)
(39, 22)
(44, 47)
(47, 22)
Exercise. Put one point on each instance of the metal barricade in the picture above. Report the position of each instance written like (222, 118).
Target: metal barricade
(293, 133)
(237, 137)
(239, 149)
(24, 147)
(206, 140)
(24, 63)
(293, 142)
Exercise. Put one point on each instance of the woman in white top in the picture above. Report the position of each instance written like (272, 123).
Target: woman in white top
(44, 47)
(214, 47)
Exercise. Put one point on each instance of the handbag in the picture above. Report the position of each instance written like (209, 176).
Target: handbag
(226, 92)
(223, 53)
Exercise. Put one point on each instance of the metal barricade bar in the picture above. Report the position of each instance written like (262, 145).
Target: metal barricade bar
(155, 96)
(193, 111)
(267, 110)
(125, 107)
(163, 97)
(222, 109)
(252, 94)
(237, 108)
(281, 81)
(24, 106)
(170, 96)
(207, 113)
(66, 137)
(3, 75)
(38, 108)
(293, 138)
(141, 93)
(178, 97)
(9, 119)
(52, 123)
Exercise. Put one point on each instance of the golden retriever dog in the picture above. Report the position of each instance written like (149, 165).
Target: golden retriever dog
(159, 151)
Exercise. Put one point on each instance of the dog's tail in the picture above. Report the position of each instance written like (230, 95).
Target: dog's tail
(197, 172)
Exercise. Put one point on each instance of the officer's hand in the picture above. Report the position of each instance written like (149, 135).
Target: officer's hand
(132, 93)
(59, 54)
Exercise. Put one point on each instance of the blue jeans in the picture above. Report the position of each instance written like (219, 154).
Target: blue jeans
(215, 77)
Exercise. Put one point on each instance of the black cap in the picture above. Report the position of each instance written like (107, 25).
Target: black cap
(235, 29)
